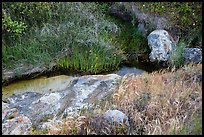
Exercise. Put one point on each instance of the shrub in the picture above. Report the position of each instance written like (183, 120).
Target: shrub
(177, 57)
(17, 16)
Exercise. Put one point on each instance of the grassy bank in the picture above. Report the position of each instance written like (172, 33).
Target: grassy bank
(161, 103)
(73, 35)
(81, 37)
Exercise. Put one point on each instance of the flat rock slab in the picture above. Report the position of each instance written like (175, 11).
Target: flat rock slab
(92, 88)
(66, 95)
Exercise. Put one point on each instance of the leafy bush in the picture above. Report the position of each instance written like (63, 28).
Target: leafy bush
(13, 27)
(18, 17)
(32, 13)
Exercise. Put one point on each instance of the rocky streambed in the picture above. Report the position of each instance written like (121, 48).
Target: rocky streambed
(29, 102)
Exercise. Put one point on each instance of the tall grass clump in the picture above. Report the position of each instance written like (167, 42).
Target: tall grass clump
(93, 59)
(130, 39)
(67, 24)
(177, 57)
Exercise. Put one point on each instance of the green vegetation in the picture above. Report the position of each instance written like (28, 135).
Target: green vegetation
(34, 131)
(129, 38)
(177, 58)
(192, 127)
(74, 26)
(186, 17)
(93, 59)
(20, 17)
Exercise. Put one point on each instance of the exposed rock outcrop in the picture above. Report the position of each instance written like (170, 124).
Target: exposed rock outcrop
(35, 108)
(14, 123)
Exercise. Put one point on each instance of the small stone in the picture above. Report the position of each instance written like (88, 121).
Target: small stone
(116, 116)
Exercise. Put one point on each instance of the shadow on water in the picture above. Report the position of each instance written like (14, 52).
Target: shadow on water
(57, 79)
(136, 68)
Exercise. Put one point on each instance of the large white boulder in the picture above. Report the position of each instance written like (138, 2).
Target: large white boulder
(161, 45)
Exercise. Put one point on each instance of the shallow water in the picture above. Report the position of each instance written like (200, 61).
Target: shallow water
(40, 85)
(125, 70)
(45, 85)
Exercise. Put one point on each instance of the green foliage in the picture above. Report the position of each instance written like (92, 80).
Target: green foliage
(138, 43)
(103, 6)
(34, 131)
(32, 13)
(13, 27)
(177, 57)
(72, 24)
(192, 127)
(19, 17)
(186, 16)
(93, 59)
(131, 40)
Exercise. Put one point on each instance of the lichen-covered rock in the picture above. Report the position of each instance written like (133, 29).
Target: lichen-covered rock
(19, 125)
(116, 116)
(193, 55)
(91, 88)
(11, 122)
(71, 95)
(161, 45)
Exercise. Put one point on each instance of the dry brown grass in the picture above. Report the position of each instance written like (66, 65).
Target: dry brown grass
(83, 125)
(165, 102)
(159, 103)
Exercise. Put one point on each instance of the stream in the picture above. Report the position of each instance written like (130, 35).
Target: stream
(45, 84)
